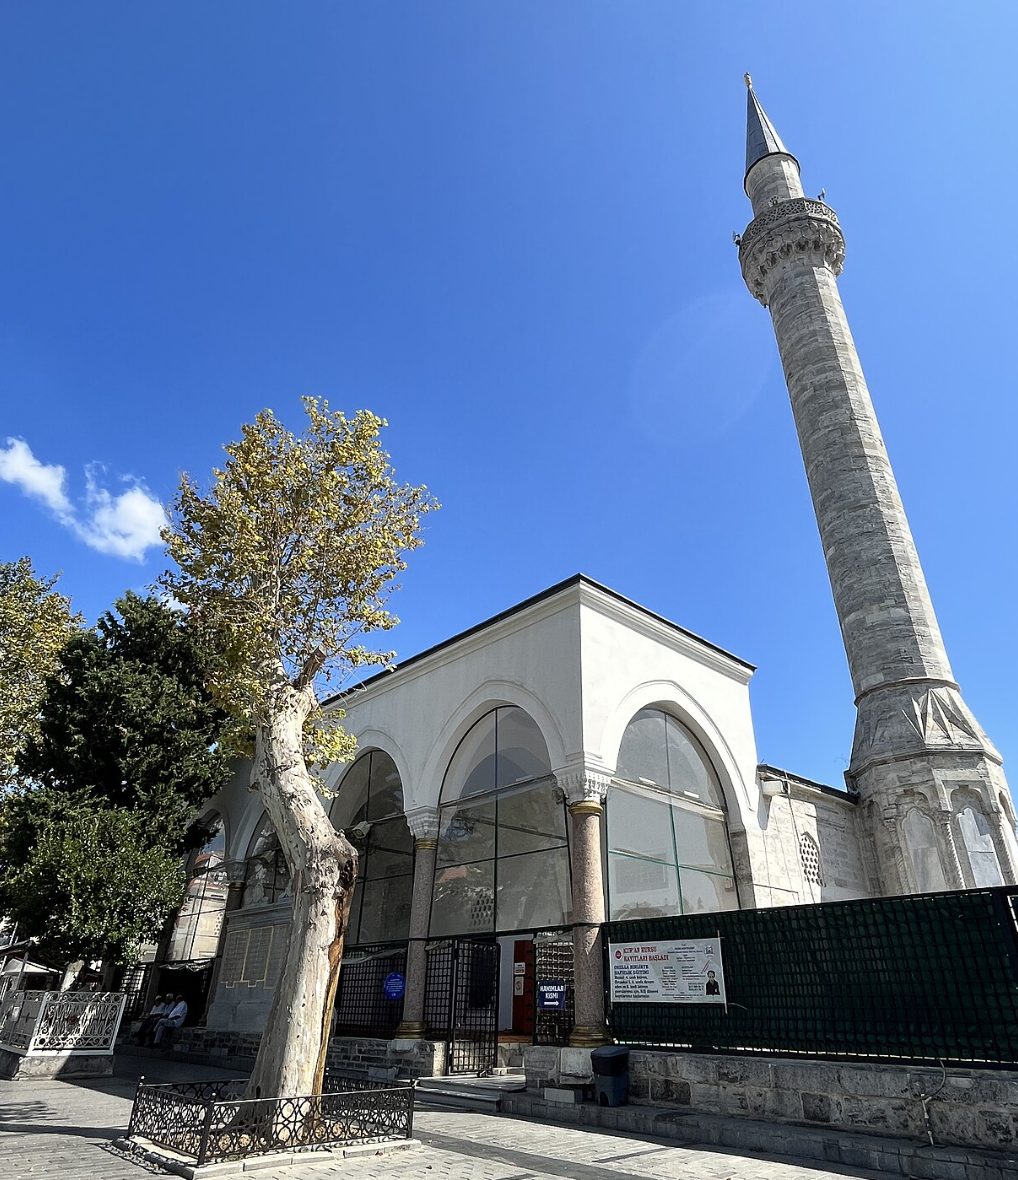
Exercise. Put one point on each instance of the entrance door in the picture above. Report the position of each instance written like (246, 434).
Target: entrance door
(461, 1001)
(523, 987)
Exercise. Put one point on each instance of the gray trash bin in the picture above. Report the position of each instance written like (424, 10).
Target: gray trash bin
(610, 1064)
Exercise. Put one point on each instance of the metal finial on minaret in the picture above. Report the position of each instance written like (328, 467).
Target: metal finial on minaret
(934, 802)
(749, 81)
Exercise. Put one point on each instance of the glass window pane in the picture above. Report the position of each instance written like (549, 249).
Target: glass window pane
(385, 909)
(350, 806)
(472, 769)
(522, 753)
(688, 771)
(703, 893)
(530, 819)
(385, 789)
(533, 890)
(639, 825)
(642, 755)
(702, 842)
(464, 900)
(466, 833)
(354, 926)
(640, 888)
(390, 850)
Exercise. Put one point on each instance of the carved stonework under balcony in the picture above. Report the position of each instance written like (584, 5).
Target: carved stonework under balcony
(799, 230)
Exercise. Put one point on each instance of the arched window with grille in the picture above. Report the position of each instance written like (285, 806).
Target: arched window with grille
(809, 858)
(369, 809)
(503, 849)
(668, 848)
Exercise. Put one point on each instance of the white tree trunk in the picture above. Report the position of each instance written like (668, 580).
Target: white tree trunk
(323, 864)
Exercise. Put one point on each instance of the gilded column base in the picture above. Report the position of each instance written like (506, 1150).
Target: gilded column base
(410, 1030)
(588, 1036)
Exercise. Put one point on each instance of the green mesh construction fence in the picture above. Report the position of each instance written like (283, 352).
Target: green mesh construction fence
(913, 979)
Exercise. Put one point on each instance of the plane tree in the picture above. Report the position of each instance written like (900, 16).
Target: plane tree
(286, 563)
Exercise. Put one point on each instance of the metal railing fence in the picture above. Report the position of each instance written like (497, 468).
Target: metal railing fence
(924, 978)
(212, 1122)
(60, 1022)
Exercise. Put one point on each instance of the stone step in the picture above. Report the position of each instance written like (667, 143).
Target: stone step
(483, 1095)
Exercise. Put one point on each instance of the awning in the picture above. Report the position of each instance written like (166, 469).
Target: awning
(16, 966)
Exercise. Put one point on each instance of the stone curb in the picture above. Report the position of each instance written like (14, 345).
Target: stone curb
(178, 1165)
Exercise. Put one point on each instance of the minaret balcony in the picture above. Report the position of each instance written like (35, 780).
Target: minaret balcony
(798, 230)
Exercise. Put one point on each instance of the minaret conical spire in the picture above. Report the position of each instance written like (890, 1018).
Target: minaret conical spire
(761, 138)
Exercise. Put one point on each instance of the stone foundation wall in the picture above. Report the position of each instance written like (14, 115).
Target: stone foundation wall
(967, 1108)
(363, 1055)
(28, 1066)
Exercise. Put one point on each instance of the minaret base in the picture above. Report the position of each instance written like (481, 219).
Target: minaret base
(932, 792)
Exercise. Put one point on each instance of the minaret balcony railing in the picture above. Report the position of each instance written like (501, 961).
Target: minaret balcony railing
(801, 226)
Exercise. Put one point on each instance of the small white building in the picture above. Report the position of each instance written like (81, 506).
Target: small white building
(477, 761)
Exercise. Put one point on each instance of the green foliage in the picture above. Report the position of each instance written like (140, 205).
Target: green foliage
(35, 623)
(126, 749)
(289, 561)
(84, 881)
(128, 723)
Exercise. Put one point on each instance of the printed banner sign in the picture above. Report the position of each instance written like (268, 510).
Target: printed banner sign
(674, 972)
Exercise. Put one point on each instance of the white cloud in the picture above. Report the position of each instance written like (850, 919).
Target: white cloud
(20, 467)
(126, 525)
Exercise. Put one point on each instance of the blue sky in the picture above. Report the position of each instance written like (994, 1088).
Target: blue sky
(507, 228)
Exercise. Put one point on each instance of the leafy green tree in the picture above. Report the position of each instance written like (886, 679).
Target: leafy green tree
(286, 563)
(126, 749)
(83, 880)
(35, 623)
(129, 722)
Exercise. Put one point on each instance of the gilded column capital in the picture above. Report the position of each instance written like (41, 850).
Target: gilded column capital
(585, 790)
(800, 230)
(423, 823)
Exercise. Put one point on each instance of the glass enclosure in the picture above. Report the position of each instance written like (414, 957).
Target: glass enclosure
(369, 809)
(668, 849)
(199, 920)
(266, 873)
(503, 850)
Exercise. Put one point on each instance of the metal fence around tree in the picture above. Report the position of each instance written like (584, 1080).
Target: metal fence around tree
(925, 978)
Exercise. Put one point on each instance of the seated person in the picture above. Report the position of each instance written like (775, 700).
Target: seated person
(173, 1019)
(148, 1024)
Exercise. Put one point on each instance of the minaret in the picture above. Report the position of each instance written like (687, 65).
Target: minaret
(933, 798)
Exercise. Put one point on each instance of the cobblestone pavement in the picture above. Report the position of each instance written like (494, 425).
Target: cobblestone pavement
(61, 1130)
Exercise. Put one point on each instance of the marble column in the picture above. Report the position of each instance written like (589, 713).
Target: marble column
(585, 794)
(423, 823)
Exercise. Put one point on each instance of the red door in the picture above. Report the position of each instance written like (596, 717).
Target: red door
(523, 987)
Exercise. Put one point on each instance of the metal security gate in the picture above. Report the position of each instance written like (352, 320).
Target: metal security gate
(553, 968)
(461, 1002)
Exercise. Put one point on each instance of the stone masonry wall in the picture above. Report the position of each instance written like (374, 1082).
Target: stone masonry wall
(802, 815)
(967, 1108)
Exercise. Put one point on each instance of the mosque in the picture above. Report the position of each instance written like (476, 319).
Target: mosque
(579, 757)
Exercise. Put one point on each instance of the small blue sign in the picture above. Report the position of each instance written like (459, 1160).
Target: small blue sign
(551, 996)
(394, 986)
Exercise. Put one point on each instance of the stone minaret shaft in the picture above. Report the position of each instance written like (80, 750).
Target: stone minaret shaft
(929, 779)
